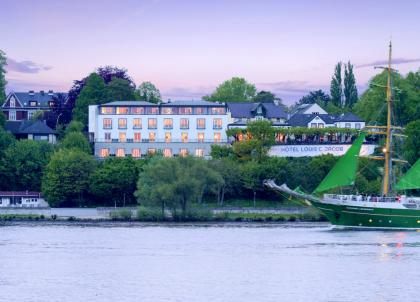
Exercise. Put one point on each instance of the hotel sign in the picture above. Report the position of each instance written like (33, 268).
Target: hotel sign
(315, 150)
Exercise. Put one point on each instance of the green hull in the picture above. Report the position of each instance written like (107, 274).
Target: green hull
(369, 217)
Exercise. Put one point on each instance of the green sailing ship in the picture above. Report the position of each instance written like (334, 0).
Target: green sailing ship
(392, 210)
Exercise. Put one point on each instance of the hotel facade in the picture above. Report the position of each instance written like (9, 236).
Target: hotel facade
(135, 128)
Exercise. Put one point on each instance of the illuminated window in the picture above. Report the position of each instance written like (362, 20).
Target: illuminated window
(31, 103)
(151, 151)
(357, 126)
(135, 152)
(107, 110)
(167, 110)
(152, 110)
(168, 137)
(122, 137)
(107, 123)
(320, 125)
(137, 136)
(217, 123)
(347, 125)
(107, 136)
(167, 152)
(183, 152)
(201, 123)
(184, 123)
(199, 152)
(217, 110)
(152, 136)
(137, 123)
(104, 152)
(200, 137)
(167, 123)
(184, 137)
(185, 110)
(122, 123)
(120, 152)
(240, 137)
(152, 123)
(217, 137)
(122, 110)
(137, 110)
(200, 110)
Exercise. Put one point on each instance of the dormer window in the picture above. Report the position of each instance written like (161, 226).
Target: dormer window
(32, 103)
(51, 103)
(12, 102)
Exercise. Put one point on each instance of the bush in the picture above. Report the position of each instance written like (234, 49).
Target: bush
(194, 215)
(123, 214)
(150, 214)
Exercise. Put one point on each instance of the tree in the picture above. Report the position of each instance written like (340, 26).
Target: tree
(3, 82)
(350, 89)
(412, 142)
(318, 97)
(336, 89)
(148, 92)
(66, 178)
(92, 93)
(76, 140)
(233, 90)
(252, 176)
(114, 181)
(24, 163)
(74, 126)
(264, 97)
(119, 90)
(6, 140)
(60, 113)
(231, 177)
(221, 151)
(2, 120)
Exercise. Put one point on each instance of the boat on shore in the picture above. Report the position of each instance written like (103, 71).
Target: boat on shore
(392, 209)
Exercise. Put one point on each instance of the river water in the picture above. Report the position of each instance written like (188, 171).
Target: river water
(226, 262)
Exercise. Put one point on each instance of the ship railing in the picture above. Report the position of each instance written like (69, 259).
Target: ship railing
(365, 198)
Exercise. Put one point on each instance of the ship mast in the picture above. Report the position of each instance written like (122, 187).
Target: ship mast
(387, 150)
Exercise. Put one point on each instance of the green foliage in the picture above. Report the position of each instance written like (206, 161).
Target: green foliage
(23, 164)
(76, 140)
(119, 90)
(93, 92)
(66, 179)
(350, 89)
(412, 142)
(38, 115)
(114, 181)
(150, 214)
(336, 89)
(3, 82)
(2, 120)
(121, 214)
(74, 126)
(230, 175)
(148, 92)
(233, 90)
(221, 151)
(264, 97)
(315, 97)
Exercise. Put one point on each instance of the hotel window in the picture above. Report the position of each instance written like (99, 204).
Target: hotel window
(137, 136)
(217, 137)
(151, 151)
(122, 137)
(320, 125)
(167, 152)
(201, 123)
(107, 123)
(347, 125)
(152, 123)
(135, 152)
(184, 137)
(104, 152)
(357, 126)
(152, 136)
(200, 110)
(199, 152)
(240, 137)
(217, 110)
(314, 125)
(122, 110)
(122, 123)
(167, 123)
(185, 110)
(217, 123)
(168, 137)
(167, 110)
(152, 110)
(200, 137)
(183, 152)
(137, 123)
(107, 110)
(184, 123)
(120, 152)
(107, 136)
(137, 110)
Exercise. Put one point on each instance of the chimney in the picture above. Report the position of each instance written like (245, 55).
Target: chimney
(42, 92)
(50, 92)
(31, 92)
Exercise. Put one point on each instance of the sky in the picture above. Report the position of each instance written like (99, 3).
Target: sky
(188, 47)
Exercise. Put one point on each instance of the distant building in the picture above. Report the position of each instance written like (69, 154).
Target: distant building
(32, 130)
(22, 199)
(137, 128)
(23, 105)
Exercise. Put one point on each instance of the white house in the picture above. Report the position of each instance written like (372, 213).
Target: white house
(22, 200)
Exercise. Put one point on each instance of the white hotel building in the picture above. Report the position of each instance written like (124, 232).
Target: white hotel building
(139, 128)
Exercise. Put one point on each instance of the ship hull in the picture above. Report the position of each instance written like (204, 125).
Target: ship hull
(351, 216)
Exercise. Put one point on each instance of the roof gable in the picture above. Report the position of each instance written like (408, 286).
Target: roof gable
(249, 110)
(12, 97)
